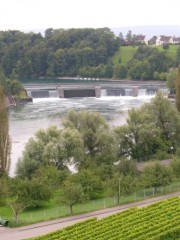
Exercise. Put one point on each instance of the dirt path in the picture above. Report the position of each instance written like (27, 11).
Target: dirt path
(49, 226)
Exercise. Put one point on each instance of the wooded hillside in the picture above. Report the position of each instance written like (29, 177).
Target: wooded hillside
(94, 53)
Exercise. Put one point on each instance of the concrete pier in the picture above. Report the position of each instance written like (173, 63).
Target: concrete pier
(98, 91)
(135, 90)
(61, 91)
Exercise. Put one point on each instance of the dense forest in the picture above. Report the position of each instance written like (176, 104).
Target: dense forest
(59, 53)
(79, 52)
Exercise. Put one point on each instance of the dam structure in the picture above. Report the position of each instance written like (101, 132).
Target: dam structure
(98, 90)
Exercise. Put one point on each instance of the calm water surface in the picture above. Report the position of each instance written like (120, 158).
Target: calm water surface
(27, 119)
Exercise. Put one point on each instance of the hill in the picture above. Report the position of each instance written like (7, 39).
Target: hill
(125, 53)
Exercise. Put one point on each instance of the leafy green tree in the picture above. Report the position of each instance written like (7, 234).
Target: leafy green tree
(120, 185)
(160, 62)
(166, 46)
(25, 193)
(126, 167)
(5, 142)
(167, 119)
(90, 182)
(4, 190)
(156, 175)
(152, 41)
(171, 79)
(140, 137)
(151, 128)
(121, 38)
(15, 87)
(51, 175)
(120, 71)
(175, 166)
(51, 147)
(139, 70)
(72, 194)
(129, 37)
(99, 142)
(49, 32)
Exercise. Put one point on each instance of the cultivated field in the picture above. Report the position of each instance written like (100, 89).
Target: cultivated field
(158, 221)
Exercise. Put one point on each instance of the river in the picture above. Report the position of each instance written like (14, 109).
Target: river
(27, 119)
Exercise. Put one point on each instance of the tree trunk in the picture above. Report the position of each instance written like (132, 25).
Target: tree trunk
(16, 217)
(71, 209)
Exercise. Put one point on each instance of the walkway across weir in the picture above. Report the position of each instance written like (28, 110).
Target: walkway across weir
(89, 89)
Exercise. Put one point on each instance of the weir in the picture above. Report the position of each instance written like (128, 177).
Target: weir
(65, 92)
(79, 91)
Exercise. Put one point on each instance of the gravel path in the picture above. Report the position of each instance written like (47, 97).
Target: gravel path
(42, 228)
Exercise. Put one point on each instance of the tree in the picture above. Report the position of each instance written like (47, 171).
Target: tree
(121, 38)
(139, 138)
(140, 70)
(72, 194)
(90, 182)
(153, 127)
(166, 46)
(51, 147)
(29, 193)
(167, 119)
(120, 185)
(5, 142)
(4, 190)
(126, 167)
(175, 166)
(16, 203)
(156, 175)
(120, 71)
(171, 79)
(178, 90)
(15, 87)
(98, 140)
(129, 37)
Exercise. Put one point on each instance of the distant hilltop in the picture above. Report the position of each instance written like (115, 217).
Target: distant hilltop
(149, 31)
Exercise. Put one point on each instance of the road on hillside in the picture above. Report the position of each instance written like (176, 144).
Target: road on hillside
(38, 229)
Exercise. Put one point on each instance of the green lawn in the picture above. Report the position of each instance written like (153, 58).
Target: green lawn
(125, 53)
(171, 52)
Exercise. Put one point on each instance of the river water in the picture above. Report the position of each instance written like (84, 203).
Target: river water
(27, 119)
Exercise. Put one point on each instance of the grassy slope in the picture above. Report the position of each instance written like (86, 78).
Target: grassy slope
(125, 53)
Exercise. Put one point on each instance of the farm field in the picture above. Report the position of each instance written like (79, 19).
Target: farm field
(158, 221)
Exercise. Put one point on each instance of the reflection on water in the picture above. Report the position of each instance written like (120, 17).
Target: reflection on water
(27, 119)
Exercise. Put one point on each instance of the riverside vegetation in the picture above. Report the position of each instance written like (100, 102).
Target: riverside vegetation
(101, 157)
